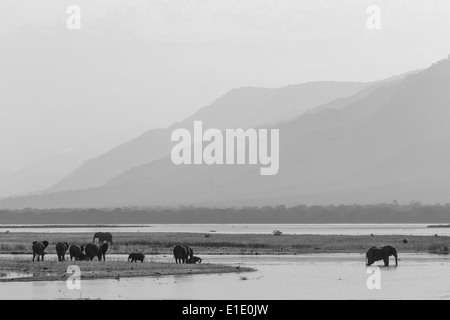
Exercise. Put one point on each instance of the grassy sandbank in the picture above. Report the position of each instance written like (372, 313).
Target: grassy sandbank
(246, 244)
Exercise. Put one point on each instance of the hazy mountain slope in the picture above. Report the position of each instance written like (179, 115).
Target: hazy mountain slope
(390, 144)
(245, 107)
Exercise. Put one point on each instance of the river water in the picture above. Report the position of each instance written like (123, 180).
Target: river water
(318, 276)
(324, 229)
(321, 276)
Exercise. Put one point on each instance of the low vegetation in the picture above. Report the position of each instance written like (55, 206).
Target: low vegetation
(247, 244)
(439, 248)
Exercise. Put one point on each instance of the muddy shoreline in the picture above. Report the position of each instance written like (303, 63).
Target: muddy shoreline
(57, 271)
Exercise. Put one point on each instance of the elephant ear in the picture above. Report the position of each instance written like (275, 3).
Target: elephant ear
(82, 248)
(45, 243)
(34, 242)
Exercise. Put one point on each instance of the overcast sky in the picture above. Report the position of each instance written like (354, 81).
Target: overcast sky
(136, 65)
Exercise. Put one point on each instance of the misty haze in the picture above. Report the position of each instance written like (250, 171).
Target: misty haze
(194, 144)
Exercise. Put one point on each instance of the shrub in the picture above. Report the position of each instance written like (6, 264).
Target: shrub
(277, 233)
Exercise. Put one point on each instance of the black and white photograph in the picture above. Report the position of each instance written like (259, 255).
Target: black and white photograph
(234, 152)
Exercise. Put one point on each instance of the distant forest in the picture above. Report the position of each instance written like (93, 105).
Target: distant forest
(381, 213)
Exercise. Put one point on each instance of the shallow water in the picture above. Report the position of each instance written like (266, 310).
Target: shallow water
(324, 276)
(324, 229)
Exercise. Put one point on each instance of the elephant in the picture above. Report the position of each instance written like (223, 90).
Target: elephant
(180, 254)
(61, 249)
(383, 253)
(103, 237)
(136, 256)
(76, 252)
(101, 254)
(194, 260)
(82, 257)
(92, 250)
(38, 249)
(190, 253)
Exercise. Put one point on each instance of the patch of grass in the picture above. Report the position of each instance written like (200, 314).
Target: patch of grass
(163, 243)
(439, 248)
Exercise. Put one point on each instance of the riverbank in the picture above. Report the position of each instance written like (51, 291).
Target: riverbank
(226, 244)
(25, 271)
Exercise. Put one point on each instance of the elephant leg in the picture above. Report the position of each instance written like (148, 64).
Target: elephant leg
(34, 256)
(386, 261)
(42, 258)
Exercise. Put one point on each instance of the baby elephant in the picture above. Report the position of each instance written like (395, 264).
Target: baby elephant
(61, 249)
(38, 249)
(136, 256)
(194, 260)
(76, 252)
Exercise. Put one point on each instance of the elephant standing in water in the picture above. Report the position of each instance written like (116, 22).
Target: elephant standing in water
(76, 252)
(383, 253)
(190, 253)
(61, 249)
(183, 254)
(136, 256)
(93, 250)
(103, 237)
(180, 254)
(38, 249)
(101, 254)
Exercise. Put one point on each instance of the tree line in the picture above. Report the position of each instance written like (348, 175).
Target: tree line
(380, 213)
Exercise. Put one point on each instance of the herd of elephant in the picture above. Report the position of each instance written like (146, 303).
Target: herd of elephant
(77, 252)
(182, 254)
(91, 251)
